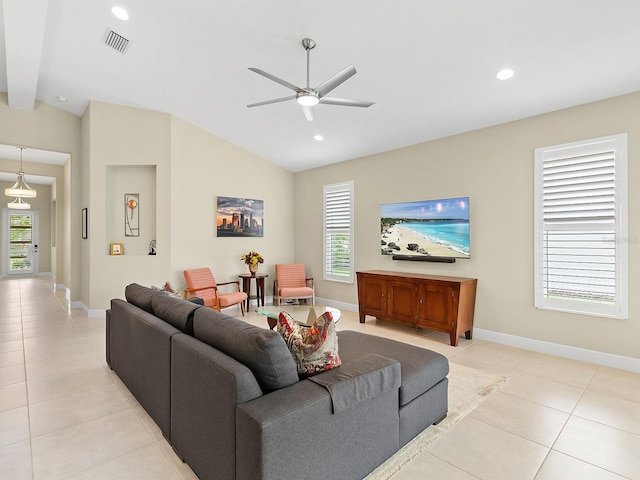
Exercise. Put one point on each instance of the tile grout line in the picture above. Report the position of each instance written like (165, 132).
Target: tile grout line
(26, 384)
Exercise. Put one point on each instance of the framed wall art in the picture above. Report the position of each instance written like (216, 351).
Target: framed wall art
(239, 217)
(84, 223)
(131, 214)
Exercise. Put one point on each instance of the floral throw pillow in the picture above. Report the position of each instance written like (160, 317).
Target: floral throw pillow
(315, 347)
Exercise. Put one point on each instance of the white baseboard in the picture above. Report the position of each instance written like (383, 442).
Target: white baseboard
(349, 307)
(566, 351)
(95, 313)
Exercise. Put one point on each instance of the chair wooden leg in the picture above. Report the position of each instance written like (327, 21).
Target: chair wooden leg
(242, 307)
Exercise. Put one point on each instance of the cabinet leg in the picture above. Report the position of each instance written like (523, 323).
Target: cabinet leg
(468, 334)
(362, 315)
(453, 339)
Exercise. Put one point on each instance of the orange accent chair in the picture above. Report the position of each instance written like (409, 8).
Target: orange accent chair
(292, 283)
(200, 283)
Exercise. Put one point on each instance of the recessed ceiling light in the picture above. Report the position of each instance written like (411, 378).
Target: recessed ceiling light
(318, 138)
(120, 13)
(504, 74)
(62, 99)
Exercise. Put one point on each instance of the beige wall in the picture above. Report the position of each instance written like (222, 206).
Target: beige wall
(494, 167)
(204, 167)
(48, 128)
(121, 137)
(192, 167)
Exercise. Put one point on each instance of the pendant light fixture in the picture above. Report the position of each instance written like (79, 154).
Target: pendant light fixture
(19, 204)
(20, 188)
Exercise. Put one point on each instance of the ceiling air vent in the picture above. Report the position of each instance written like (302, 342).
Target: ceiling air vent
(115, 41)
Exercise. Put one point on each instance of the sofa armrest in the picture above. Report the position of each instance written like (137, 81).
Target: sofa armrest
(275, 431)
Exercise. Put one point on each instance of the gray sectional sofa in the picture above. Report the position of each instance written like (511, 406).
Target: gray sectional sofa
(227, 397)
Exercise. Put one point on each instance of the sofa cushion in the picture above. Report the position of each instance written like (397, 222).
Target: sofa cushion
(260, 349)
(140, 296)
(421, 368)
(177, 312)
(315, 347)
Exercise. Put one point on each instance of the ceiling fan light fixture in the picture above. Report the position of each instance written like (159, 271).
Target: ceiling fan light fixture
(307, 99)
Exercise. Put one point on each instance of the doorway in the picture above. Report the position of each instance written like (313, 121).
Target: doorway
(22, 242)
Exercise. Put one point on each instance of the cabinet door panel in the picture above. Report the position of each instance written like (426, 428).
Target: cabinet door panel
(436, 306)
(374, 297)
(402, 302)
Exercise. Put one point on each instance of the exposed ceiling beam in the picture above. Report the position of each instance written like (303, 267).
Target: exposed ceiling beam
(24, 27)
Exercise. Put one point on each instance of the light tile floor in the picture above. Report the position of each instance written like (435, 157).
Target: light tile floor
(65, 415)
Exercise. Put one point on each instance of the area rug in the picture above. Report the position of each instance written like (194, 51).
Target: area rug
(468, 388)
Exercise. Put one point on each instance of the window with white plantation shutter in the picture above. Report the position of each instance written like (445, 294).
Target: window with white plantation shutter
(581, 227)
(338, 232)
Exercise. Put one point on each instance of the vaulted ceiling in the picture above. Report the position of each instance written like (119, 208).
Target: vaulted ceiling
(429, 65)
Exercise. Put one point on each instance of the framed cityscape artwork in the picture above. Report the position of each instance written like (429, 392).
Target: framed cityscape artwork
(239, 217)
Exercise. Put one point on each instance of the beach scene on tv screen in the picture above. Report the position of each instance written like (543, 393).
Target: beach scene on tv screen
(438, 228)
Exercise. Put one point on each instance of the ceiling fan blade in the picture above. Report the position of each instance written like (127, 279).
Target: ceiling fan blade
(309, 113)
(345, 102)
(337, 79)
(275, 100)
(284, 83)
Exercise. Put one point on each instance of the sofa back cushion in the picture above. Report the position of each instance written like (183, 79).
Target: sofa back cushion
(140, 296)
(263, 351)
(175, 311)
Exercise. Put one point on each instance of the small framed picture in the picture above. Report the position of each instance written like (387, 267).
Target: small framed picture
(116, 249)
(84, 223)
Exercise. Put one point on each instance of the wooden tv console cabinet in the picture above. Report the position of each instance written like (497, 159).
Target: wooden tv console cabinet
(433, 302)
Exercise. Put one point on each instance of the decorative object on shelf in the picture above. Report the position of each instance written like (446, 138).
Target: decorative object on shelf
(84, 223)
(19, 204)
(116, 249)
(252, 260)
(20, 189)
(131, 215)
(239, 217)
(152, 248)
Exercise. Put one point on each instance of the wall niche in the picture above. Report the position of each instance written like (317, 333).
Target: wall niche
(130, 207)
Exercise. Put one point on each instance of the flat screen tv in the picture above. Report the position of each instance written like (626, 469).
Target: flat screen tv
(426, 230)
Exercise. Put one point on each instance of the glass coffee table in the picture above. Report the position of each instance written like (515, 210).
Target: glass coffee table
(303, 314)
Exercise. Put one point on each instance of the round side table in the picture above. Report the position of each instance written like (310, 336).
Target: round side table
(246, 287)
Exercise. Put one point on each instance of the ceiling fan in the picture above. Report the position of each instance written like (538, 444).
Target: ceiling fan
(309, 97)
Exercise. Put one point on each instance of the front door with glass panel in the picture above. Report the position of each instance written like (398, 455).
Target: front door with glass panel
(22, 248)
